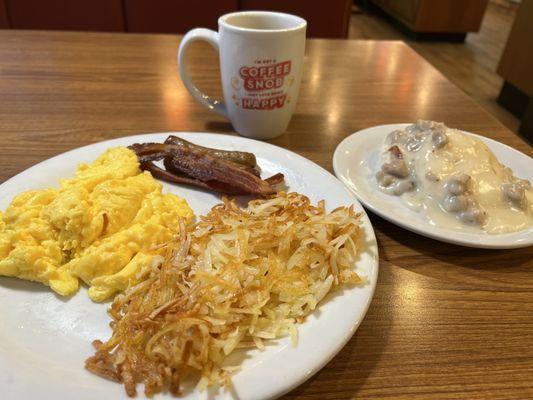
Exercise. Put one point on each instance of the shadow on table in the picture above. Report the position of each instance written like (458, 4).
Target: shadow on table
(219, 126)
(425, 252)
(307, 119)
(348, 371)
(297, 120)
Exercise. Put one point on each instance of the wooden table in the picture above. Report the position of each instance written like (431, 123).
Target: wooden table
(446, 321)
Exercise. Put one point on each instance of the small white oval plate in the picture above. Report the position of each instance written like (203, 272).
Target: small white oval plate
(355, 161)
(45, 339)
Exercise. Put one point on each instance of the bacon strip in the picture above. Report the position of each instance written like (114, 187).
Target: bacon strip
(275, 179)
(165, 175)
(157, 151)
(200, 165)
(239, 157)
(150, 151)
(186, 163)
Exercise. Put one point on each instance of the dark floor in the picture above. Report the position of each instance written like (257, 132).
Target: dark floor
(470, 65)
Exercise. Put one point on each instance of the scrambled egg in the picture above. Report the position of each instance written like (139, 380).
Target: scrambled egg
(100, 227)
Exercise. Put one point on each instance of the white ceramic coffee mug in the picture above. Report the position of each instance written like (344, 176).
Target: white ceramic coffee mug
(261, 56)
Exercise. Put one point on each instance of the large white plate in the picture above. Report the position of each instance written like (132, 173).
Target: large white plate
(45, 339)
(356, 159)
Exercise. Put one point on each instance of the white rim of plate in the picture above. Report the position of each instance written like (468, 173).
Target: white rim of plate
(298, 376)
(487, 241)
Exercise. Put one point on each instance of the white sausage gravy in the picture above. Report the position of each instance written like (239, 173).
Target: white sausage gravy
(453, 179)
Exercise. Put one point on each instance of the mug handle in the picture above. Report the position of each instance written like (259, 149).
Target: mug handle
(210, 37)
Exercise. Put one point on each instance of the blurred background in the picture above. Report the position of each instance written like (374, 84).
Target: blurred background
(483, 46)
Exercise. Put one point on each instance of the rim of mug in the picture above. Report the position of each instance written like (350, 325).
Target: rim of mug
(300, 23)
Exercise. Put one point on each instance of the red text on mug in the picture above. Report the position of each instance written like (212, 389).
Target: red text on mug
(263, 83)
(257, 78)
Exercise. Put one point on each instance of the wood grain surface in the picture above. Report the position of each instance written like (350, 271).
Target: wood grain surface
(446, 322)
(470, 65)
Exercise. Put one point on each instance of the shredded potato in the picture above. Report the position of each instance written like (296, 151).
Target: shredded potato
(238, 277)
